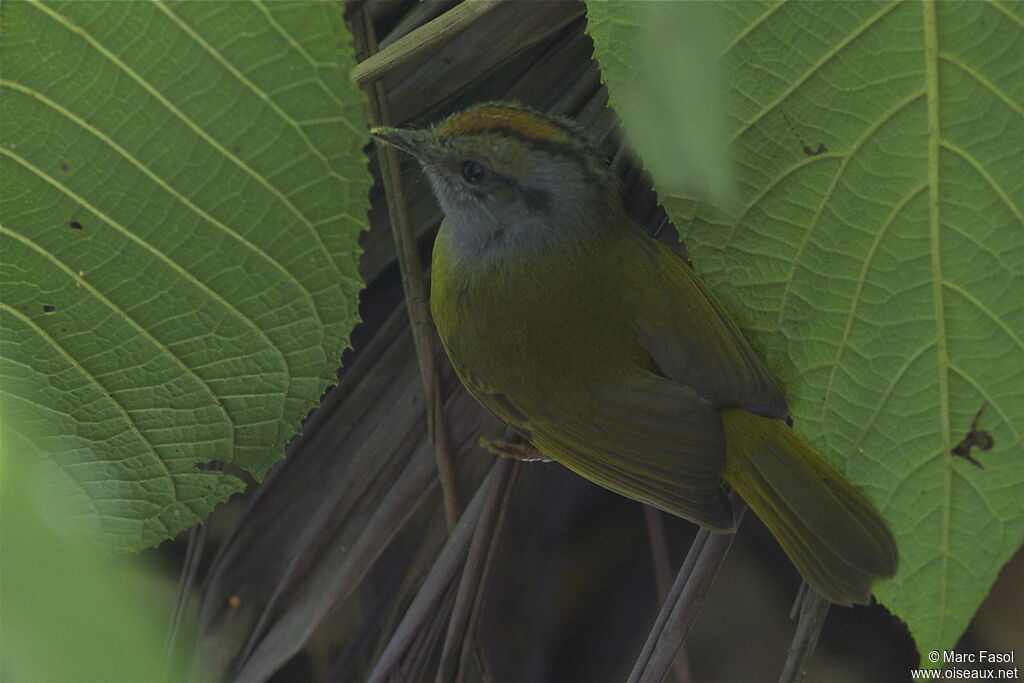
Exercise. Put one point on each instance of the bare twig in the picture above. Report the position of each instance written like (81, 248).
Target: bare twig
(475, 574)
(794, 610)
(447, 564)
(678, 614)
(659, 550)
(412, 280)
(483, 661)
(431, 35)
(416, 657)
(655, 521)
(813, 610)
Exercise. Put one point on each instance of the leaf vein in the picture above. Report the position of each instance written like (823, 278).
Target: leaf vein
(986, 176)
(111, 395)
(285, 366)
(847, 159)
(814, 68)
(858, 289)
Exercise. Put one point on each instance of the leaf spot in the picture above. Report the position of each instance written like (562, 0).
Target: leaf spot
(975, 438)
(815, 152)
(808, 150)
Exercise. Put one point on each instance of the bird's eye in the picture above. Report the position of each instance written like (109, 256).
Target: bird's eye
(472, 171)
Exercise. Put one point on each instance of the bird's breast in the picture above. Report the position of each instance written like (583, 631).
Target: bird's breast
(538, 332)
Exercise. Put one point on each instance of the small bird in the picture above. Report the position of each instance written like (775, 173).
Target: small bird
(602, 348)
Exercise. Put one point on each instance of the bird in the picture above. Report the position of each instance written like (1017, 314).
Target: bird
(604, 350)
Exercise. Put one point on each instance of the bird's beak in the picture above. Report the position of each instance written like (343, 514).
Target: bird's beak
(415, 142)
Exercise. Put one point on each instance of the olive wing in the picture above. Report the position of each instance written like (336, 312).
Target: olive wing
(693, 340)
(650, 439)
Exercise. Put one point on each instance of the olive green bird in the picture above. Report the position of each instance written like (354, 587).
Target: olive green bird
(601, 346)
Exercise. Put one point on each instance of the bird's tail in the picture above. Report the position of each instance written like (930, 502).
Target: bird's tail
(830, 530)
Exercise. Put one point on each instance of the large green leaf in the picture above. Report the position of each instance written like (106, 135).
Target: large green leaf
(183, 187)
(874, 253)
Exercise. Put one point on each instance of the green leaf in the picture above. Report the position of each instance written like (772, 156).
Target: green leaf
(876, 258)
(183, 189)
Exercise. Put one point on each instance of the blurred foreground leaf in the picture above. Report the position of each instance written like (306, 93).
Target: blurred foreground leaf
(67, 614)
(661, 63)
(183, 187)
(876, 256)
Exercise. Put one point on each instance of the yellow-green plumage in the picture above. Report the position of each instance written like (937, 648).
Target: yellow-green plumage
(830, 531)
(604, 349)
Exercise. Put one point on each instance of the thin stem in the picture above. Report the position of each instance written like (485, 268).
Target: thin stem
(494, 542)
(813, 611)
(678, 614)
(655, 521)
(474, 574)
(659, 550)
(794, 610)
(439, 578)
(412, 281)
